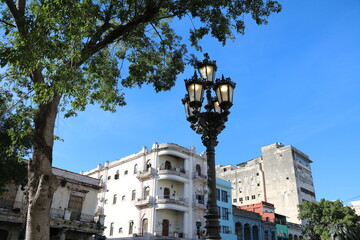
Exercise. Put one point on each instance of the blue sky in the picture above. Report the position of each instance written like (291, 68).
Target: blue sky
(298, 82)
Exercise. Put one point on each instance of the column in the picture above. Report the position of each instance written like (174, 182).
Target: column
(186, 225)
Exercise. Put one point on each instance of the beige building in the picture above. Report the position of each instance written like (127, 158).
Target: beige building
(281, 176)
(153, 194)
(356, 206)
(73, 213)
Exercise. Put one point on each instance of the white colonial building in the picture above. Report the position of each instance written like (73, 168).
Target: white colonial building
(154, 193)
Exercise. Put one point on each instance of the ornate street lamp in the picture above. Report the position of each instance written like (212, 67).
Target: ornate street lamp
(209, 124)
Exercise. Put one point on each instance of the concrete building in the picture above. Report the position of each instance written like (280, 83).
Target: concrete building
(154, 194)
(224, 203)
(356, 206)
(282, 176)
(73, 214)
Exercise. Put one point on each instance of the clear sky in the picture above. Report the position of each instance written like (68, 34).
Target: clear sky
(298, 82)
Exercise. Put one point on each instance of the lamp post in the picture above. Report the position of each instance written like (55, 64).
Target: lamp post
(209, 123)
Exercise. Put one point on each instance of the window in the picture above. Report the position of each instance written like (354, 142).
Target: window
(120, 230)
(224, 196)
(234, 200)
(258, 184)
(198, 169)
(111, 229)
(123, 198)
(109, 177)
(148, 165)
(116, 175)
(135, 168)
(126, 172)
(131, 226)
(219, 211)
(218, 194)
(114, 198)
(257, 174)
(226, 229)
(146, 192)
(253, 197)
(225, 213)
(241, 199)
(133, 195)
(247, 198)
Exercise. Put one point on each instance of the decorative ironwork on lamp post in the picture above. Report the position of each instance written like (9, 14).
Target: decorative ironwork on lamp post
(209, 124)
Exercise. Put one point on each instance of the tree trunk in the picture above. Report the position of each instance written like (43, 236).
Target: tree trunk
(41, 181)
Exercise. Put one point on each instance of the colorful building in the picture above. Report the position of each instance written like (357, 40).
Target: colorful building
(224, 203)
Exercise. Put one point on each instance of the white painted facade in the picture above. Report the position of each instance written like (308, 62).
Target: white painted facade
(154, 193)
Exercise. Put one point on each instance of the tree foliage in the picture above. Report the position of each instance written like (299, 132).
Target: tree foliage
(15, 141)
(87, 50)
(322, 215)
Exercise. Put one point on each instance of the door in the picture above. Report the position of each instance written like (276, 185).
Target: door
(144, 226)
(3, 234)
(166, 193)
(75, 205)
(165, 227)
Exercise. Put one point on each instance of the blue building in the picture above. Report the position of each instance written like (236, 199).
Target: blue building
(224, 203)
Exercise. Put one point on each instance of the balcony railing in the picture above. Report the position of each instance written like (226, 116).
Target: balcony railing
(68, 214)
(199, 176)
(145, 173)
(141, 202)
(168, 199)
(173, 171)
(199, 204)
(170, 235)
(6, 204)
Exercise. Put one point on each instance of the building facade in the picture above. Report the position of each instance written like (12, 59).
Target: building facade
(248, 225)
(153, 194)
(73, 213)
(224, 203)
(282, 176)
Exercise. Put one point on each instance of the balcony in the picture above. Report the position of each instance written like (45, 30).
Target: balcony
(172, 200)
(199, 176)
(144, 202)
(173, 171)
(145, 174)
(199, 204)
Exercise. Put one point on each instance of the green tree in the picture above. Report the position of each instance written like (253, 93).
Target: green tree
(322, 215)
(66, 54)
(15, 142)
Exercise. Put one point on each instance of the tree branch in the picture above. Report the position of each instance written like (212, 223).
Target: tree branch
(7, 23)
(91, 47)
(156, 31)
(18, 16)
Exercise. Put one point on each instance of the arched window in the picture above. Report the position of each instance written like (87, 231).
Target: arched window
(198, 169)
(167, 165)
(146, 192)
(148, 165)
(135, 168)
(116, 175)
